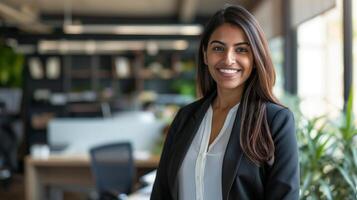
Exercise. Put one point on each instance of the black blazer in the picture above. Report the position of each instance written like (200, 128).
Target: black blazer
(241, 179)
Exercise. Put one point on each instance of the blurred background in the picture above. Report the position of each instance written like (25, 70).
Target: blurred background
(76, 75)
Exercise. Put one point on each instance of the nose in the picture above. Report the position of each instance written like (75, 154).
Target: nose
(230, 57)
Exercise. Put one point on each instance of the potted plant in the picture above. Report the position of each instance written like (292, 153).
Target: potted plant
(11, 68)
(11, 65)
(328, 154)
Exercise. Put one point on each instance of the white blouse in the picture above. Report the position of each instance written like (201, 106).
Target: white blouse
(200, 175)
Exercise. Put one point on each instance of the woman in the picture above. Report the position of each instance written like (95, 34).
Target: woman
(237, 141)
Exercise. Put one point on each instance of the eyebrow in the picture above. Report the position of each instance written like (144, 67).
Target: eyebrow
(237, 44)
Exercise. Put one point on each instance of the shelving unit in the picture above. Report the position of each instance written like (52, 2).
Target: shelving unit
(86, 82)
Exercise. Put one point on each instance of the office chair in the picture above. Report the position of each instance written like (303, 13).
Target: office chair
(113, 169)
(8, 147)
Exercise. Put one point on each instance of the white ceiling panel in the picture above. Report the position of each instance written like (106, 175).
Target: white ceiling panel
(128, 8)
(185, 11)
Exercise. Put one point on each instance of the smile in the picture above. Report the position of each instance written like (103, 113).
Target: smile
(229, 72)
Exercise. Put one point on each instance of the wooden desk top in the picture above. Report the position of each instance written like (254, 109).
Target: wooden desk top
(84, 161)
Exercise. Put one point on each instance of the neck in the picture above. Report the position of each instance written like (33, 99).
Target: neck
(226, 99)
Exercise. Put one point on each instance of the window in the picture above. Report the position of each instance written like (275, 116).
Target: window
(276, 47)
(320, 64)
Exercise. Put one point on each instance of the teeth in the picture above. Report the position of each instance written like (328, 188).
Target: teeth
(229, 71)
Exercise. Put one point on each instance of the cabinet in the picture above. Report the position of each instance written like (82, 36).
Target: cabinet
(93, 85)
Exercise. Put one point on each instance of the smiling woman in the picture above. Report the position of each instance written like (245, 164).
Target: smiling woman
(229, 58)
(237, 141)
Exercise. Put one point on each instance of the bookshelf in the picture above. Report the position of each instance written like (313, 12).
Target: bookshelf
(86, 83)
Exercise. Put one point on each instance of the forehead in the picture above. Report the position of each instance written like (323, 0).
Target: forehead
(228, 33)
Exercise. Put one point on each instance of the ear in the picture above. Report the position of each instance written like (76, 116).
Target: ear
(204, 56)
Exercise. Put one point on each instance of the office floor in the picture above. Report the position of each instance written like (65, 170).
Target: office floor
(16, 191)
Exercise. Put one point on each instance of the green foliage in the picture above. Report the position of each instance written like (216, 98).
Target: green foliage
(315, 160)
(185, 87)
(348, 129)
(347, 166)
(11, 66)
(328, 154)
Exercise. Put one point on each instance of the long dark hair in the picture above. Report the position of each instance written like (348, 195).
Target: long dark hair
(255, 137)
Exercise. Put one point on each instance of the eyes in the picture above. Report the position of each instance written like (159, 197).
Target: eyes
(239, 49)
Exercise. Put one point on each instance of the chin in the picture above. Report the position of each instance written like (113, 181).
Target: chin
(230, 86)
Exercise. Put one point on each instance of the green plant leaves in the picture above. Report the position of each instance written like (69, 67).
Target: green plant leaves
(326, 189)
(328, 154)
(11, 67)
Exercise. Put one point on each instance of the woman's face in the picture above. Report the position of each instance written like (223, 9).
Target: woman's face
(229, 57)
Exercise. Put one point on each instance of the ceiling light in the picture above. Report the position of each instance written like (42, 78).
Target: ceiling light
(108, 46)
(134, 29)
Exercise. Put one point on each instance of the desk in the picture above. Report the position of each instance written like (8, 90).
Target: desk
(66, 170)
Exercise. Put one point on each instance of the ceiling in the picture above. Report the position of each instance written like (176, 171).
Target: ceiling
(37, 15)
(33, 22)
(125, 7)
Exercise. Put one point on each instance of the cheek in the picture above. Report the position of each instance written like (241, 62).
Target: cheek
(212, 59)
(211, 70)
(247, 64)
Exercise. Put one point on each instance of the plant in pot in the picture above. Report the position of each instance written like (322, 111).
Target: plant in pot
(328, 154)
(11, 68)
(346, 165)
(11, 65)
(316, 144)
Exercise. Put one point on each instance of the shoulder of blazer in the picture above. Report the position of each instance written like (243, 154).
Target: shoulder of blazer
(192, 107)
(275, 110)
(182, 116)
(281, 123)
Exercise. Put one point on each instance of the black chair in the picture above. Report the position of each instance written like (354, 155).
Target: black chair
(8, 147)
(113, 169)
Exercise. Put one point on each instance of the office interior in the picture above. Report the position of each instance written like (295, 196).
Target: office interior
(77, 75)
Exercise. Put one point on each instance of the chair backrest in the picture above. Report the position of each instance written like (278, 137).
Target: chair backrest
(113, 167)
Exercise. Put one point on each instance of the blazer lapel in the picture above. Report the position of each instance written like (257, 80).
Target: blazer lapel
(184, 141)
(232, 157)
